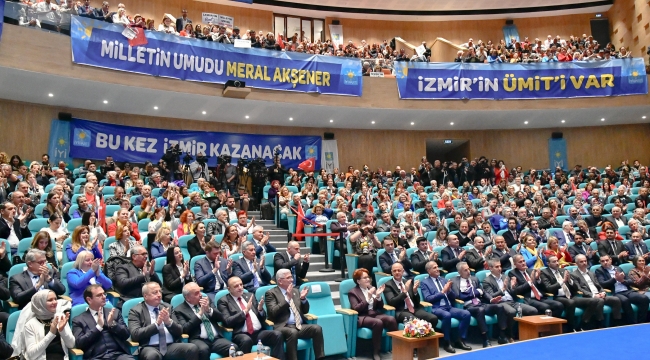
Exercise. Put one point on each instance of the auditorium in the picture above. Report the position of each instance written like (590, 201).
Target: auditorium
(308, 180)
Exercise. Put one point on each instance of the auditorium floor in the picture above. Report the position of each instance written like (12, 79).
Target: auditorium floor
(474, 342)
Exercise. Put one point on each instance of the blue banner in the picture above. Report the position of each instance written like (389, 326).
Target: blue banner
(59, 146)
(521, 81)
(2, 16)
(557, 154)
(101, 44)
(95, 140)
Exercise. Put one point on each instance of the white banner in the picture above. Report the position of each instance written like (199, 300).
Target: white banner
(330, 156)
(216, 19)
(336, 34)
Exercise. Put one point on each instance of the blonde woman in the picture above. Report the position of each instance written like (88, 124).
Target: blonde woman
(284, 198)
(162, 243)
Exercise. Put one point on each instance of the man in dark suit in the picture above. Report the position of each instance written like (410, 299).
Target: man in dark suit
(502, 253)
(403, 295)
(286, 308)
(580, 248)
(261, 242)
(251, 271)
(37, 277)
(614, 279)
(588, 285)
(497, 286)
(242, 313)
(616, 217)
(392, 256)
(560, 284)
(103, 14)
(468, 289)
(291, 259)
(612, 247)
(11, 228)
(423, 255)
(465, 235)
(212, 272)
(452, 254)
(198, 318)
(100, 332)
(488, 234)
(86, 10)
(637, 247)
(477, 257)
(154, 325)
(436, 290)
(512, 235)
(596, 218)
(182, 21)
(527, 283)
(130, 277)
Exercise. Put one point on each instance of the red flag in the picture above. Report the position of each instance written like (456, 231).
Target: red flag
(139, 39)
(102, 214)
(308, 165)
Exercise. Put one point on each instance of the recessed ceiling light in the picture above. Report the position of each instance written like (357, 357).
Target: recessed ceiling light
(603, 119)
(563, 121)
(290, 119)
(643, 117)
(204, 112)
(105, 101)
(526, 122)
(331, 120)
(50, 95)
(155, 107)
(412, 123)
(247, 117)
(372, 122)
(451, 123)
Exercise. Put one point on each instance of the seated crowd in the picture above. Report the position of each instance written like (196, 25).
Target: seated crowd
(531, 236)
(375, 56)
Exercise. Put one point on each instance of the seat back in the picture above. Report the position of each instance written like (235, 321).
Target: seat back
(259, 293)
(177, 300)
(626, 267)
(268, 263)
(108, 190)
(380, 252)
(143, 225)
(38, 211)
(24, 245)
(37, 224)
(158, 265)
(451, 275)
(381, 282)
(109, 240)
(64, 274)
(73, 223)
(79, 309)
(182, 243)
(481, 275)
(126, 308)
(193, 262)
(11, 326)
(344, 289)
(320, 298)
(64, 259)
(238, 256)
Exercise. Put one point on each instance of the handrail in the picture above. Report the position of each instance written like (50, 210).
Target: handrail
(412, 47)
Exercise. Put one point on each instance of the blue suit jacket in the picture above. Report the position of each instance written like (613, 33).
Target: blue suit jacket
(630, 248)
(431, 294)
(157, 250)
(608, 282)
(78, 281)
(259, 249)
(207, 279)
(559, 234)
(243, 271)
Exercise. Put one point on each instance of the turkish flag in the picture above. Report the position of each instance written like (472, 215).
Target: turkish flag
(308, 165)
(139, 39)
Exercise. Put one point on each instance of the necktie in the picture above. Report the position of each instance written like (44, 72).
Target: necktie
(469, 287)
(255, 282)
(206, 324)
(293, 273)
(296, 313)
(394, 257)
(532, 286)
(249, 321)
(162, 337)
(440, 287)
(408, 301)
(613, 246)
(218, 284)
(565, 288)
(639, 252)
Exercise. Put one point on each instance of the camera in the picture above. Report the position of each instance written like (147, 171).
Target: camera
(187, 159)
(202, 159)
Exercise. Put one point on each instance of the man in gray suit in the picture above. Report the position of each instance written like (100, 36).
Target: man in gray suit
(153, 324)
(586, 282)
(37, 277)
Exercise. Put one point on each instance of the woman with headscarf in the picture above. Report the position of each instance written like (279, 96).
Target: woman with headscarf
(47, 334)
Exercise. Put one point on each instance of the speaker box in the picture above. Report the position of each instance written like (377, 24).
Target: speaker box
(600, 31)
(557, 135)
(328, 136)
(65, 116)
(510, 22)
(336, 22)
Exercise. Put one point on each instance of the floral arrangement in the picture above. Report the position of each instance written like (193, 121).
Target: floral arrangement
(417, 328)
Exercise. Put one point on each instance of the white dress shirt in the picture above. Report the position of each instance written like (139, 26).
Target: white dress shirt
(506, 294)
(204, 334)
(12, 238)
(256, 322)
(592, 287)
(155, 339)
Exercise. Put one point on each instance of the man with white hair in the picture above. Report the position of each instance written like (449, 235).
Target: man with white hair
(145, 194)
(565, 236)
(617, 217)
(261, 241)
(130, 277)
(621, 194)
(292, 260)
(154, 325)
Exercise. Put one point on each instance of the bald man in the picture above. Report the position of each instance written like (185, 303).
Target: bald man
(292, 261)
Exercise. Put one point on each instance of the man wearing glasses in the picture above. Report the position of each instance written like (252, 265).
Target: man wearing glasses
(286, 308)
(130, 277)
(38, 276)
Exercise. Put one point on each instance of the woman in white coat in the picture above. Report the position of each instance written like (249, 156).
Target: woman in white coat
(47, 334)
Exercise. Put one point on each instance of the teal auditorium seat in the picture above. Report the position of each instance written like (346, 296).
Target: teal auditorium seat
(322, 305)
